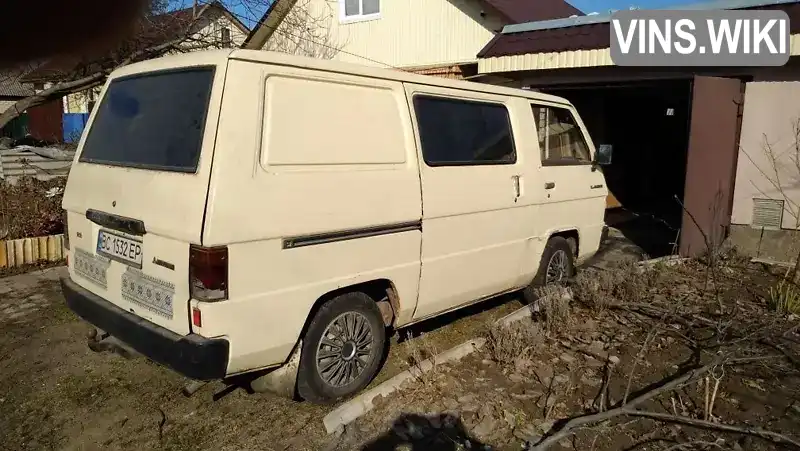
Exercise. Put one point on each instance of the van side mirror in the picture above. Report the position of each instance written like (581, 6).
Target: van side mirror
(603, 155)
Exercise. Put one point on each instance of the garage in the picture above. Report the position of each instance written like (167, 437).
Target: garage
(674, 132)
(647, 126)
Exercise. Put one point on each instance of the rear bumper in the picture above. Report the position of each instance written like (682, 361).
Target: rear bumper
(191, 355)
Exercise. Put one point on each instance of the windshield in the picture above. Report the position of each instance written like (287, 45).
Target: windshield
(151, 121)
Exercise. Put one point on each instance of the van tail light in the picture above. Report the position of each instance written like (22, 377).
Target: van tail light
(66, 229)
(208, 273)
(197, 317)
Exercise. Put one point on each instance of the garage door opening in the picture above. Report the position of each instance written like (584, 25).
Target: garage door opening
(647, 125)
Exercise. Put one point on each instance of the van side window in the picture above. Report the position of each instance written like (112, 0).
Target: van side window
(560, 138)
(456, 132)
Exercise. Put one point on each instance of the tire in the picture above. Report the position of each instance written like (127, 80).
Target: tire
(555, 245)
(318, 381)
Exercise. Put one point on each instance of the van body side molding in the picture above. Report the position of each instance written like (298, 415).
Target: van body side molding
(352, 234)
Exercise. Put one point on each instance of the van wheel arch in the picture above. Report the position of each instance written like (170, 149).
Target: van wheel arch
(561, 242)
(572, 237)
(382, 291)
(382, 294)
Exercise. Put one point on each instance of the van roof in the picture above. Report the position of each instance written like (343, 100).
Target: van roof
(285, 59)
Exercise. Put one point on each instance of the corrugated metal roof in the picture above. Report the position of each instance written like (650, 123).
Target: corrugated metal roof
(569, 59)
(17, 163)
(549, 37)
(10, 85)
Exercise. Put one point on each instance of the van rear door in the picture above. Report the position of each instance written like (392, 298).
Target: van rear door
(136, 195)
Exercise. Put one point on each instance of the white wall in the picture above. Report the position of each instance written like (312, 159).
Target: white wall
(407, 33)
(771, 113)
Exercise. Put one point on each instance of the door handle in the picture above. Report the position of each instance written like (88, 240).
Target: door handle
(517, 190)
(549, 185)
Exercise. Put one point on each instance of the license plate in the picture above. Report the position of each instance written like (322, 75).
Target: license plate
(117, 247)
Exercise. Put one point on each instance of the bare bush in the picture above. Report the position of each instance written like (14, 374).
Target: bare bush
(417, 351)
(30, 208)
(599, 290)
(506, 343)
(552, 306)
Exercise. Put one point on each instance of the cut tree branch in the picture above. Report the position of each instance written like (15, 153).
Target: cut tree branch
(585, 420)
(757, 432)
(629, 409)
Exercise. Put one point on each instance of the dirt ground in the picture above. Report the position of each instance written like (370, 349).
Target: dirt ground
(57, 394)
(623, 331)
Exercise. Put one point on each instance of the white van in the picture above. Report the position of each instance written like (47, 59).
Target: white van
(243, 211)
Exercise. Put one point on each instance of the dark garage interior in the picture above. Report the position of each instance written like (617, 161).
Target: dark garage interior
(647, 124)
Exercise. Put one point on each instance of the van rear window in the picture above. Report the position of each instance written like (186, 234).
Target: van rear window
(151, 121)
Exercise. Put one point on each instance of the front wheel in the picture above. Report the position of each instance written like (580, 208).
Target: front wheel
(342, 349)
(557, 264)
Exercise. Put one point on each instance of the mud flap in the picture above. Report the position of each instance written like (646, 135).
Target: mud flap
(283, 380)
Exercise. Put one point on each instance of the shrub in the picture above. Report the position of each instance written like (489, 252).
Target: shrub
(506, 343)
(27, 211)
(553, 307)
(600, 289)
(784, 298)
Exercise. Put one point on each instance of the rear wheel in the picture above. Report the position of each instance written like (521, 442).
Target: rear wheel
(557, 264)
(342, 349)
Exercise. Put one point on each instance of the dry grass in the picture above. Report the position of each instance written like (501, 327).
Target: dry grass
(599, 290)
(417, 351)
(506, 343)
(553, 307)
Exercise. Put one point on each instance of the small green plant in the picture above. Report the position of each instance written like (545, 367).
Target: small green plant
(784, 297)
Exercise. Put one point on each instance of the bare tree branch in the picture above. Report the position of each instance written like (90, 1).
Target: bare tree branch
(567, 428)
(757, 432)
(158, 34)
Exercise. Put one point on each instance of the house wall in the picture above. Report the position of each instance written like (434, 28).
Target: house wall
(407, 33)
(768, 150)
(771, 115)
(213, 21)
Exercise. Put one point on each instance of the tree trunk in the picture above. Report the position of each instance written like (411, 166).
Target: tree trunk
(56, 91)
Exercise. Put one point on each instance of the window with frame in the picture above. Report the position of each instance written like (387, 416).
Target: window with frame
(455, 132)
(360, 9)
(225, 37)
(561, 141)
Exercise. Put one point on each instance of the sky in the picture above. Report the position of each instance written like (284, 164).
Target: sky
(602, 6)
(250, 10)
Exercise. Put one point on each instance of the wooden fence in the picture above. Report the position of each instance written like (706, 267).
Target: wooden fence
(26, 251)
